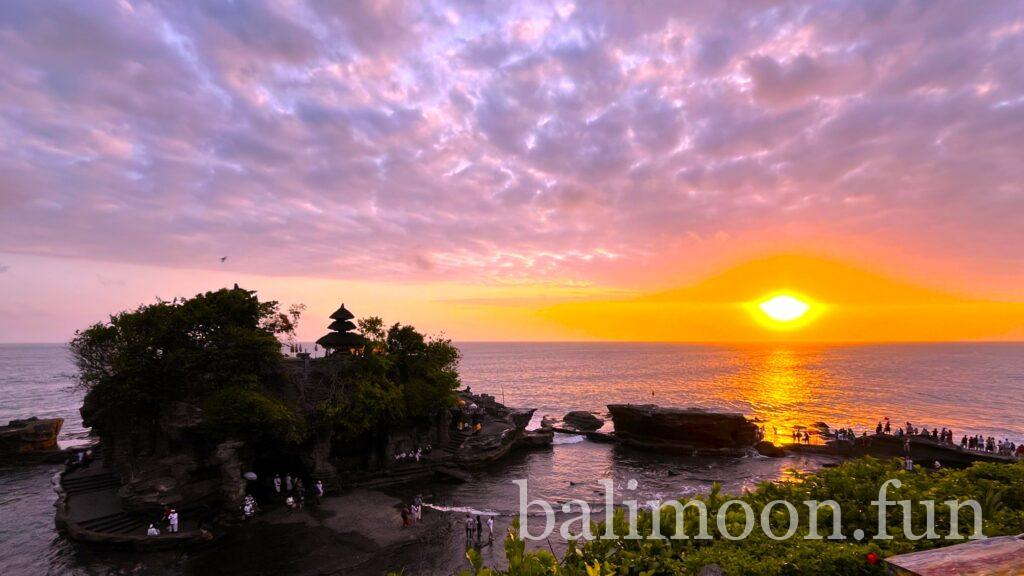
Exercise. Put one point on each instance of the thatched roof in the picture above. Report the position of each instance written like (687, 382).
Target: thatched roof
(341, 340)
(342, 326)
(342, 314)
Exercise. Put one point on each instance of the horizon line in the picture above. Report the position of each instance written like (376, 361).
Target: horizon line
(680, 342)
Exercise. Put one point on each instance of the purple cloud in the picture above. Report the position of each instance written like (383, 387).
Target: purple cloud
(454, 139)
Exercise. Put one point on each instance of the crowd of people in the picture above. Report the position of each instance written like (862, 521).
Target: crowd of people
(978, 442)
(1004, 447)
(294, 492)
(414, 455)
(475, 529)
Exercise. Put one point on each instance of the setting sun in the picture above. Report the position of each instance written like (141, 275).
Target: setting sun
(784, 308)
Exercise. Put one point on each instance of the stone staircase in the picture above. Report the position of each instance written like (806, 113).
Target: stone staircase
(91, 483)
(116, 523)
(455, 441)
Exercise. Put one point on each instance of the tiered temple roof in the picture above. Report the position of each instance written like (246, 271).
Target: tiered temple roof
(342, 335)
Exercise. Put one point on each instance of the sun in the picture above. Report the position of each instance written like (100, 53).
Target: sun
(784, 310)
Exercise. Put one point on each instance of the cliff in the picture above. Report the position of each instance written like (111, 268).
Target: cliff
(176, 459)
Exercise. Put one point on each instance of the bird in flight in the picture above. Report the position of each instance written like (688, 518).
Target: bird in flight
(223, 259)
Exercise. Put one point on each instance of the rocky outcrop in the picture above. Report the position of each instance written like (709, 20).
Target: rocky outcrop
(500, 429)
(28, 438)
(683, 431)
(582, 420)
(766, 448)
(922, 450)
(536, 438)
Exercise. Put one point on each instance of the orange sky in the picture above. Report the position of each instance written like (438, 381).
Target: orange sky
(852, 304)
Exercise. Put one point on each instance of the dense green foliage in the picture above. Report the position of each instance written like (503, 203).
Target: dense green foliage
(402, 377)
(214, 348)
(253, 415)
(853, 485)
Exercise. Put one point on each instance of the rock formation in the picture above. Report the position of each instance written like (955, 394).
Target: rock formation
(29, 437)
(582, 420)
(683, 431)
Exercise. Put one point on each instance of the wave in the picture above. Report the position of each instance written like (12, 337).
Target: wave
(462, 509)
(567, 439)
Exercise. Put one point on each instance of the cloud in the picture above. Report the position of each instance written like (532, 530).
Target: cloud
(497, 142)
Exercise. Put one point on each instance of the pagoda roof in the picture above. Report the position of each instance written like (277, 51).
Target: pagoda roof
(341, 340)
(342, 314)
(342, 326)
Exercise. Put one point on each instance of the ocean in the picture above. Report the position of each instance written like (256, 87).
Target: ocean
(972, 388)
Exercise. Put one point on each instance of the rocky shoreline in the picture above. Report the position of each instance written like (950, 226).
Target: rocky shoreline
(119, 493)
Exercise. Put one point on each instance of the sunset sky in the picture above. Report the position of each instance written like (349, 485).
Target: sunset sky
(638, 170)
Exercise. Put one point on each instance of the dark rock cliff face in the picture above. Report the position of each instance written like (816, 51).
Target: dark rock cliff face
(682, 431)
(169, 461)
(173, 460)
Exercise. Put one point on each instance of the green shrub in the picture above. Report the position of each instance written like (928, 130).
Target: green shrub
(853, 485)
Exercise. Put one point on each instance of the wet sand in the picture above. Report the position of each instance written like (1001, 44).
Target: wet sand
(358, 532)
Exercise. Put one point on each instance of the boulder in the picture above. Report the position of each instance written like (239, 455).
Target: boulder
(536, 438)
(582, 420)
(29, 436)
(683, 431)
(766, 448)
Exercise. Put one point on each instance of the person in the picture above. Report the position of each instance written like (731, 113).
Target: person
(277, 484)
(479, 528)
(878, 428)
(318, 486)
(87, 458)
(490, 528)
(937, 465)
(288, 482)
(290, 502)
(405, 516)
(418, 503)
(807, 438)
(152, 531)
(469, 529)
(908, 464)
(173, 520)
(248, 509)
(963, 441)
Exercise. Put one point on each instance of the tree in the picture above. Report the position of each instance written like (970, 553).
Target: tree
(372, 328)
(408, 378)
(184, 350)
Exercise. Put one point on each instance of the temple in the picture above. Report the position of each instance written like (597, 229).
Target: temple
(342, 335)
